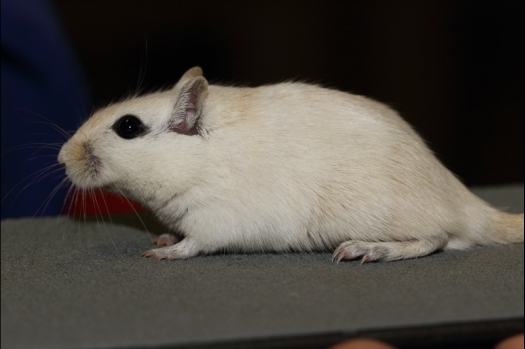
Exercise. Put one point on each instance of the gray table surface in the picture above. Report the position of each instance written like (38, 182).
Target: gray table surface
(70, 283)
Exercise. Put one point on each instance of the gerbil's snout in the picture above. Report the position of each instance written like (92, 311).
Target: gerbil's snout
(82, 165)
(60, 158)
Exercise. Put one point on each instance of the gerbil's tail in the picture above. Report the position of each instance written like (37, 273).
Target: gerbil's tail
(508, 227)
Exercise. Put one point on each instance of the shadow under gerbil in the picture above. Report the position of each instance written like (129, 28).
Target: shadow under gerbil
(140, 220)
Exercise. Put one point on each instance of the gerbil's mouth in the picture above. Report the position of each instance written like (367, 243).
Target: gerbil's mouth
(110, 188)
(92, 161)
(80, 179)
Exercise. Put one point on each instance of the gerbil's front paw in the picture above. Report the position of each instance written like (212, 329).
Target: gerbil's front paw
(149, 254)
(156, 253)
(182, 250)
(163, 253)
(371, 251)
(165, 240)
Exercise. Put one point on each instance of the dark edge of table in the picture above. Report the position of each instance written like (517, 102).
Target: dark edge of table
(479, 335)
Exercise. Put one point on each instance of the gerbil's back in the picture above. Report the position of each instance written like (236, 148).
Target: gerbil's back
(304, 128)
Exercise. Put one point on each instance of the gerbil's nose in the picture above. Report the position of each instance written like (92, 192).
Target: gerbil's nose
(60, 158)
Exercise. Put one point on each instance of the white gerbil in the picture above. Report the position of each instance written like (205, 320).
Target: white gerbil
(282, 167)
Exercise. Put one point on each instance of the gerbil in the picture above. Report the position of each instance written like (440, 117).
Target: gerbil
(282, 167)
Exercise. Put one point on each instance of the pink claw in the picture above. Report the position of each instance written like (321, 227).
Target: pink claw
(151, 254)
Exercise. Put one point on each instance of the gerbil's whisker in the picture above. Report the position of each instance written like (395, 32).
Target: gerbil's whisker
(41, 176)
(82, 200)
(38, 175)
(85, 193)
(77, 193)
(91, 194)
(62, 210)
(136, 212)
(48, 123)
(41, 157)
(54, 146)
(50, 197)
(143, 67)
(105, 226)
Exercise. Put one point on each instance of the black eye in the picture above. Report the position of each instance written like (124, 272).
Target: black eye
(128, 127)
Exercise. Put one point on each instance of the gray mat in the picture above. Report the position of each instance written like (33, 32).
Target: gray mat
(73, 284)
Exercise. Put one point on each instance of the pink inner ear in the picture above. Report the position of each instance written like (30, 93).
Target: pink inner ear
(191, 110)
(187, 124)
(186, 110)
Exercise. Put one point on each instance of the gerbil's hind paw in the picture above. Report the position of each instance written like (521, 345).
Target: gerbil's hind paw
(165, 240)
(370, 251)
(390, 250)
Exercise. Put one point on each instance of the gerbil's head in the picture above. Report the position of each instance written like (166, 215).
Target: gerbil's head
(143, 145)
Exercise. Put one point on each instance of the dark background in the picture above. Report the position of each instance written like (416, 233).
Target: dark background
(454, 69)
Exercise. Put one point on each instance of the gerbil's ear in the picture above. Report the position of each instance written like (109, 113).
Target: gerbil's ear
(187, 110)
(189, 74)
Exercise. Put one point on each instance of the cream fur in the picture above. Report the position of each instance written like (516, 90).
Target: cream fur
(285, 167)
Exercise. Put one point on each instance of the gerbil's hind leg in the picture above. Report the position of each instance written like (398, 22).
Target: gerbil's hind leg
(184, 249)
(388, 251)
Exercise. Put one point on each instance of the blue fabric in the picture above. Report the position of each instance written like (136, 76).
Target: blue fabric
(40, 80)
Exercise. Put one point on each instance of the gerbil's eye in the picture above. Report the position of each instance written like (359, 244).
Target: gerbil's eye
(128, 127)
